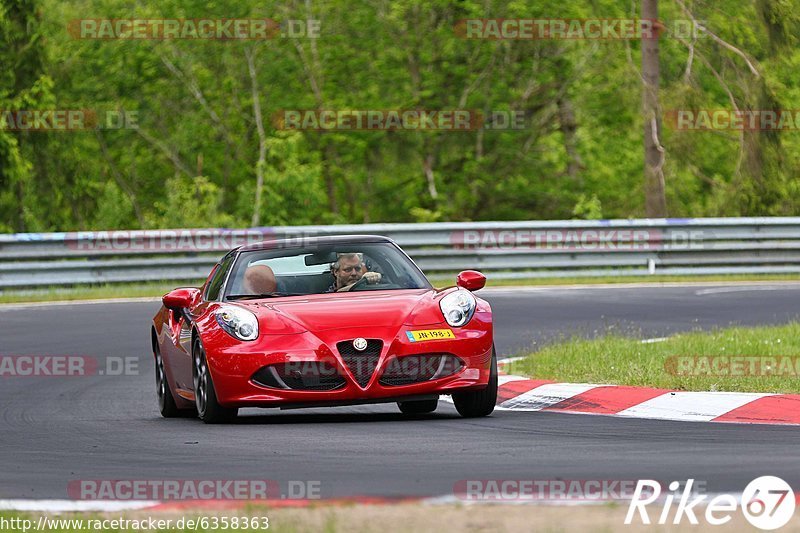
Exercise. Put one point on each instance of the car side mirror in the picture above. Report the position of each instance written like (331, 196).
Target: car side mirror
(472, 280)
(182, 298)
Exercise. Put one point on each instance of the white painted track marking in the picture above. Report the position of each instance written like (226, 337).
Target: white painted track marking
(68, 506)
(547, 395)
(691, 406)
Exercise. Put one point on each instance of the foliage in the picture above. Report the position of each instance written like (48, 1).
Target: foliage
(190, 154)
(588, 208)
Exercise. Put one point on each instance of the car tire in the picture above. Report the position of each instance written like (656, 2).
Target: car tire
(418, 407)
(166, 401)
(205, 397)
(479, 403)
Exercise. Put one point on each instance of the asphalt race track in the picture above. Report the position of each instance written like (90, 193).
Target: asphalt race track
(54, 430)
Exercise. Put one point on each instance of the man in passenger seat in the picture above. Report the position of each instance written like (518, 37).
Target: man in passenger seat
(260, 279)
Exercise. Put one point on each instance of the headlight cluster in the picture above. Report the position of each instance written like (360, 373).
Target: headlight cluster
(239, 322)
(458, 307)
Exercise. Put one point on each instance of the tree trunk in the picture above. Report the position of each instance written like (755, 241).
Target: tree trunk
(655, 199)
(262, 138)
(569, 127)
(427, 167)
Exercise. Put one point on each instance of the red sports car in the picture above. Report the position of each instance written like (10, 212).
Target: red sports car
(324, 322)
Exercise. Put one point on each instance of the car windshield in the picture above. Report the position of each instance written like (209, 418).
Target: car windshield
(321, 269)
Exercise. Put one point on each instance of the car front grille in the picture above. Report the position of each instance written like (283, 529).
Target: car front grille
(361, 364)
(419, 368)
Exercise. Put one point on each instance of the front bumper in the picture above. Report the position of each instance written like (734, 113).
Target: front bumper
(233, 366)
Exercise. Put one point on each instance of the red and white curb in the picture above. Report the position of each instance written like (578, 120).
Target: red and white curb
(111, 506)
(188, 506)
(521, 394)
(75, 506)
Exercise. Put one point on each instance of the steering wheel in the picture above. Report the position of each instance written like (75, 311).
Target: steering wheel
(360, 283)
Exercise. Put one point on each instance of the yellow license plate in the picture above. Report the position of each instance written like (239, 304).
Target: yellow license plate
(430, 335)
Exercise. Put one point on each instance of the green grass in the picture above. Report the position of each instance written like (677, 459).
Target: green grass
(152, 289)
(626, 361)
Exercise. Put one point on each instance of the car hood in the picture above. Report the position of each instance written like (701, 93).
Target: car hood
(340, 310)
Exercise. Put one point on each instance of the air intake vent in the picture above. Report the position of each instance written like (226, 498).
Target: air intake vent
(302, 375)
(419, 368)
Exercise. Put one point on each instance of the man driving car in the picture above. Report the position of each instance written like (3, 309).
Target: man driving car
(348, 269)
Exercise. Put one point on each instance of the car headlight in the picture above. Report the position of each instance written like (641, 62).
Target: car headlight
(238, 322)
(458, 307)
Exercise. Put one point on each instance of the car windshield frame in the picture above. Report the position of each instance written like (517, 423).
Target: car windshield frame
(400, 263)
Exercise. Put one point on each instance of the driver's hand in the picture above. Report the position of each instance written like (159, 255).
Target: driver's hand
(372, 277)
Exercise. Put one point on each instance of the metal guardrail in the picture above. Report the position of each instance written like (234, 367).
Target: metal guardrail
(527, 249)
